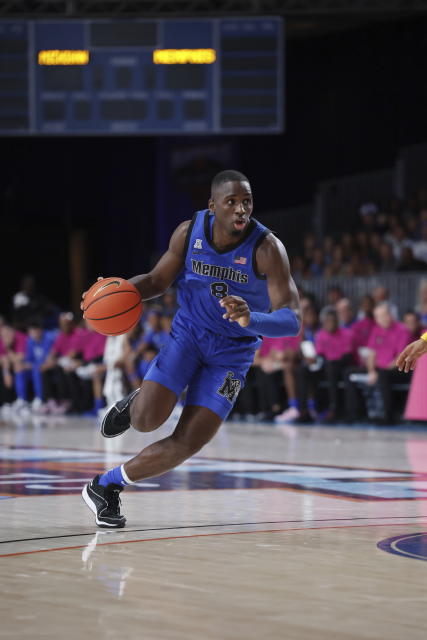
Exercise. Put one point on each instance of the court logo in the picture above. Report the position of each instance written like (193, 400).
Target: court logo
(35, 471)
(230, 387)
(413, 545)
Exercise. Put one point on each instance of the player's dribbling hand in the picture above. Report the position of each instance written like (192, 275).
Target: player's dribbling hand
(236, 310)
(85, 292)
(407, 359)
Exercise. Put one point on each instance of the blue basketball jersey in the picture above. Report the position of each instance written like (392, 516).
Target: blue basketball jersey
(211, 274)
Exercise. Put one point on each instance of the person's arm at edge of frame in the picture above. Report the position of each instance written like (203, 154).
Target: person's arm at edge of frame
(407, 359)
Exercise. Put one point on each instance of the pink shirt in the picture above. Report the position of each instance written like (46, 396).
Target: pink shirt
(64, 342)
(361, 331)
(278, 344)
(19, 343)
(89, 343)
(388, 343)
(333, 346)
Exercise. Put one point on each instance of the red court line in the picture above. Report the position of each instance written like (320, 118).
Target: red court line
(210, 535)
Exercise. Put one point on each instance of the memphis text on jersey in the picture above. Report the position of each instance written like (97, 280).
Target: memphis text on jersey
(222, 273)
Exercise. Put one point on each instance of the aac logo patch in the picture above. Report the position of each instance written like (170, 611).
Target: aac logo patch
(230, 387)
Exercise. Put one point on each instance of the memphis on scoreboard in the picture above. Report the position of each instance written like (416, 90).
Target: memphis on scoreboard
(159, 76)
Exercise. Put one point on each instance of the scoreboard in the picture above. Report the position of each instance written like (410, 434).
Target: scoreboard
(174, 76)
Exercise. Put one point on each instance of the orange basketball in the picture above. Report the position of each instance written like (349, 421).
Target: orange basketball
(112, 306)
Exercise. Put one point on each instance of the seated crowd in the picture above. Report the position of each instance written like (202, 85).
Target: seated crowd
(341, 366)
(382, 242)
(72, 369)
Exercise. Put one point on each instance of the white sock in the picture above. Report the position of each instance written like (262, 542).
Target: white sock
(125, 475)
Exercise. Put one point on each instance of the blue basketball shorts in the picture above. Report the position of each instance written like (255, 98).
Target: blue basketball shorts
(212, 366)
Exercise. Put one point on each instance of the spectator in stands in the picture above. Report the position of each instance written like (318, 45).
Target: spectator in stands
(366, 307)
(412, 322)
(356, 267)
(362, 243)
(419, 247)
(39, 345)
(387, 260)
(381, 294)
(374, 243)
(413, 228)
(362, 328)
(337, 266)
(408, 262)
(397, 238)
(307, 299)
(294, 359)
(310, 325)
(299, 268)
(27, 303)
(334, 294)
(160, 327)
(368, 212)
(13, 345)
(345, 313)
(307, 373)
(281, 355)
(166, 323)
(317, 264)
(387, 340)
(269, 377)
(132, 355)
(55, 384)
(114, 383)
(155, 335)
(335, 345)
(86, 371)
(328, 246)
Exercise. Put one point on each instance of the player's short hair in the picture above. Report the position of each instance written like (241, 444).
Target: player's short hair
(229, 175)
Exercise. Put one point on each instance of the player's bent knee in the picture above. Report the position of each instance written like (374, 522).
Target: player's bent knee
(144, 425)
(146, 421)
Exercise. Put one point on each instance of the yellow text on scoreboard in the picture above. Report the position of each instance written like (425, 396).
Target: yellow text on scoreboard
(184, 56)
(63, 57)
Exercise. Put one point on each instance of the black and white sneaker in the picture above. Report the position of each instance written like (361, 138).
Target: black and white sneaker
(117, 419)
(105, 503)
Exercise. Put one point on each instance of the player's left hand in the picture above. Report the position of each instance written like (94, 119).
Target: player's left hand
(236, 309)
(82, 303)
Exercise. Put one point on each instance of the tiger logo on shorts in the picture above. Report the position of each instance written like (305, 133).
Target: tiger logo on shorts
(230, 387)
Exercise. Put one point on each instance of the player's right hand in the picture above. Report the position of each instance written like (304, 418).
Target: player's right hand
(85, 292)
(407, 359)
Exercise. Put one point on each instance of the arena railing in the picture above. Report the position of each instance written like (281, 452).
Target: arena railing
(403, 287)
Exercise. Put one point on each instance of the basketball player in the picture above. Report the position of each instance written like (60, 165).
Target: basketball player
(407, 359)
(230, 271)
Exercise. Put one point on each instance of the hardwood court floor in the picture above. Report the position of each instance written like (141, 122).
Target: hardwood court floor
(268, 533)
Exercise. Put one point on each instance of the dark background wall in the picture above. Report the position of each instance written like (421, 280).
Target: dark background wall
(353, 98)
